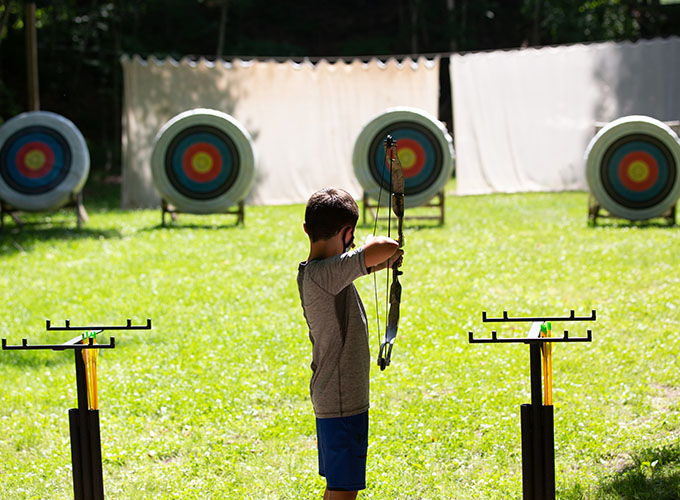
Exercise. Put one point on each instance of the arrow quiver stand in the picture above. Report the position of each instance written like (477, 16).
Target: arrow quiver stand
(537, 418)
(86, 453)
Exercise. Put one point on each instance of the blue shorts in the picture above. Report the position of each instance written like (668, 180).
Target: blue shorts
(343, 445)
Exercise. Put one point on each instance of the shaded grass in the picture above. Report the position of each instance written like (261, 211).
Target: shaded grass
(213, 401)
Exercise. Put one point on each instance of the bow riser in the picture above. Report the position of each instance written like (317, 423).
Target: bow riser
(397, 181)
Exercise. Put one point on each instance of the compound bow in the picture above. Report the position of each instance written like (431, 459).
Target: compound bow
(397, 190)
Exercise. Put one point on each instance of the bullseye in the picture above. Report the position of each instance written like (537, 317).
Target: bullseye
(34, 160)
(202, 162)
(412, 156)
(638, 171)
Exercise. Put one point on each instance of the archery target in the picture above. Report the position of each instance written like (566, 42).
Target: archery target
(43, 160)
(425, 151)
(632, 167)
(203, 161)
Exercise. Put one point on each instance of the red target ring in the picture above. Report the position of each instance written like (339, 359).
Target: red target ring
(411, 156)
(202, 162)
(638, 171)
(35, 159)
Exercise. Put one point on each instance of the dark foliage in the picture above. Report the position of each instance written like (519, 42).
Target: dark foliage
(80, 42)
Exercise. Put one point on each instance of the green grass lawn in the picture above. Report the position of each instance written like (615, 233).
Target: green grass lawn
(213, 401)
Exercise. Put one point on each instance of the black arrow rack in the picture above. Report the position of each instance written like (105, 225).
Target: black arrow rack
(86, 454)
(537, 419)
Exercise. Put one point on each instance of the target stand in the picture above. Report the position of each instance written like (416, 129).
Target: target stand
(425, 151)
(633, 170)
(75, 202)
(86, 454)
(596, 211)
(437, 203)
(44, 164)
(167, 208)
(537, 418)
(203, 162)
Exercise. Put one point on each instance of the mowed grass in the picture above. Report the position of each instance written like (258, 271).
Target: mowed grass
(213, 401)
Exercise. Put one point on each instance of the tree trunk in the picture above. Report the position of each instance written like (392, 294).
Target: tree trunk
(535, 40)
(31, 57)
(223, 29)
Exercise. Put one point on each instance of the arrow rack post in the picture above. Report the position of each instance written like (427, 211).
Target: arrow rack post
(86, 454)
(537, 418)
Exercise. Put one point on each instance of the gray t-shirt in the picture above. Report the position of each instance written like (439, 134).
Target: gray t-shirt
(338, 330)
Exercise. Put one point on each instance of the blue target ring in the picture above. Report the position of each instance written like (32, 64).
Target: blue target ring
(219, 168)
(638, 171)
(418, 153)
(34, 160)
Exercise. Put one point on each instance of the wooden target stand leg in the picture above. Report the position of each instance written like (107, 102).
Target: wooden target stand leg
(75, 201)
(437, 203)
(6, 209)
(596, 211)
(167, 208)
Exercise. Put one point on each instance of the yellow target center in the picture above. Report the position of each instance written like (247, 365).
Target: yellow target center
(407, 157)
(638, 171)
(35, 159)
(202, 162)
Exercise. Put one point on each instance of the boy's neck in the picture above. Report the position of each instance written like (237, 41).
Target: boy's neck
(323, 249)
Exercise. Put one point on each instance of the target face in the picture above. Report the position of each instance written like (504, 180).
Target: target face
(425, 152)
(203, 161)
(43, 160)
(632, 167)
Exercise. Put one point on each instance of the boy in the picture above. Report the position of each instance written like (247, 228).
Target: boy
(339, 334)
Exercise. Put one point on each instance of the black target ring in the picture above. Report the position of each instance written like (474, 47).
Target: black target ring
(11, 173)
(659, 152)
(217, 139)
(400, 131)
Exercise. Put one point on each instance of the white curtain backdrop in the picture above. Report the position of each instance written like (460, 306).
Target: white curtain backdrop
(303, 118)
(523, 118)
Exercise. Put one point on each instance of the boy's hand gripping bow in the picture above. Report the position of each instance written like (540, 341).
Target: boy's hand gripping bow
(397, 189)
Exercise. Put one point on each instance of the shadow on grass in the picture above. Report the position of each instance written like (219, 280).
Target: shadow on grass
(192, 224)
(35, 358)
(634, 224)
(21, 239)
(653, 475)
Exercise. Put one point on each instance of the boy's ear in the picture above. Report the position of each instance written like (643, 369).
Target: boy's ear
(304, 226)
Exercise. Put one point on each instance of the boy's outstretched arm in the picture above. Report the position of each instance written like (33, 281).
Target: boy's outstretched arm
(379, 251)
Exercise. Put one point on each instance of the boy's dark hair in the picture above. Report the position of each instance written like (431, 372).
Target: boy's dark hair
(328, 211)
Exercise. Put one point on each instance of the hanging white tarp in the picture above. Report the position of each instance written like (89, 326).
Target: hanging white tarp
(303, 118)
(523, 118)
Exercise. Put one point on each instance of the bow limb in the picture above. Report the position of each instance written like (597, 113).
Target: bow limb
(397, 181)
